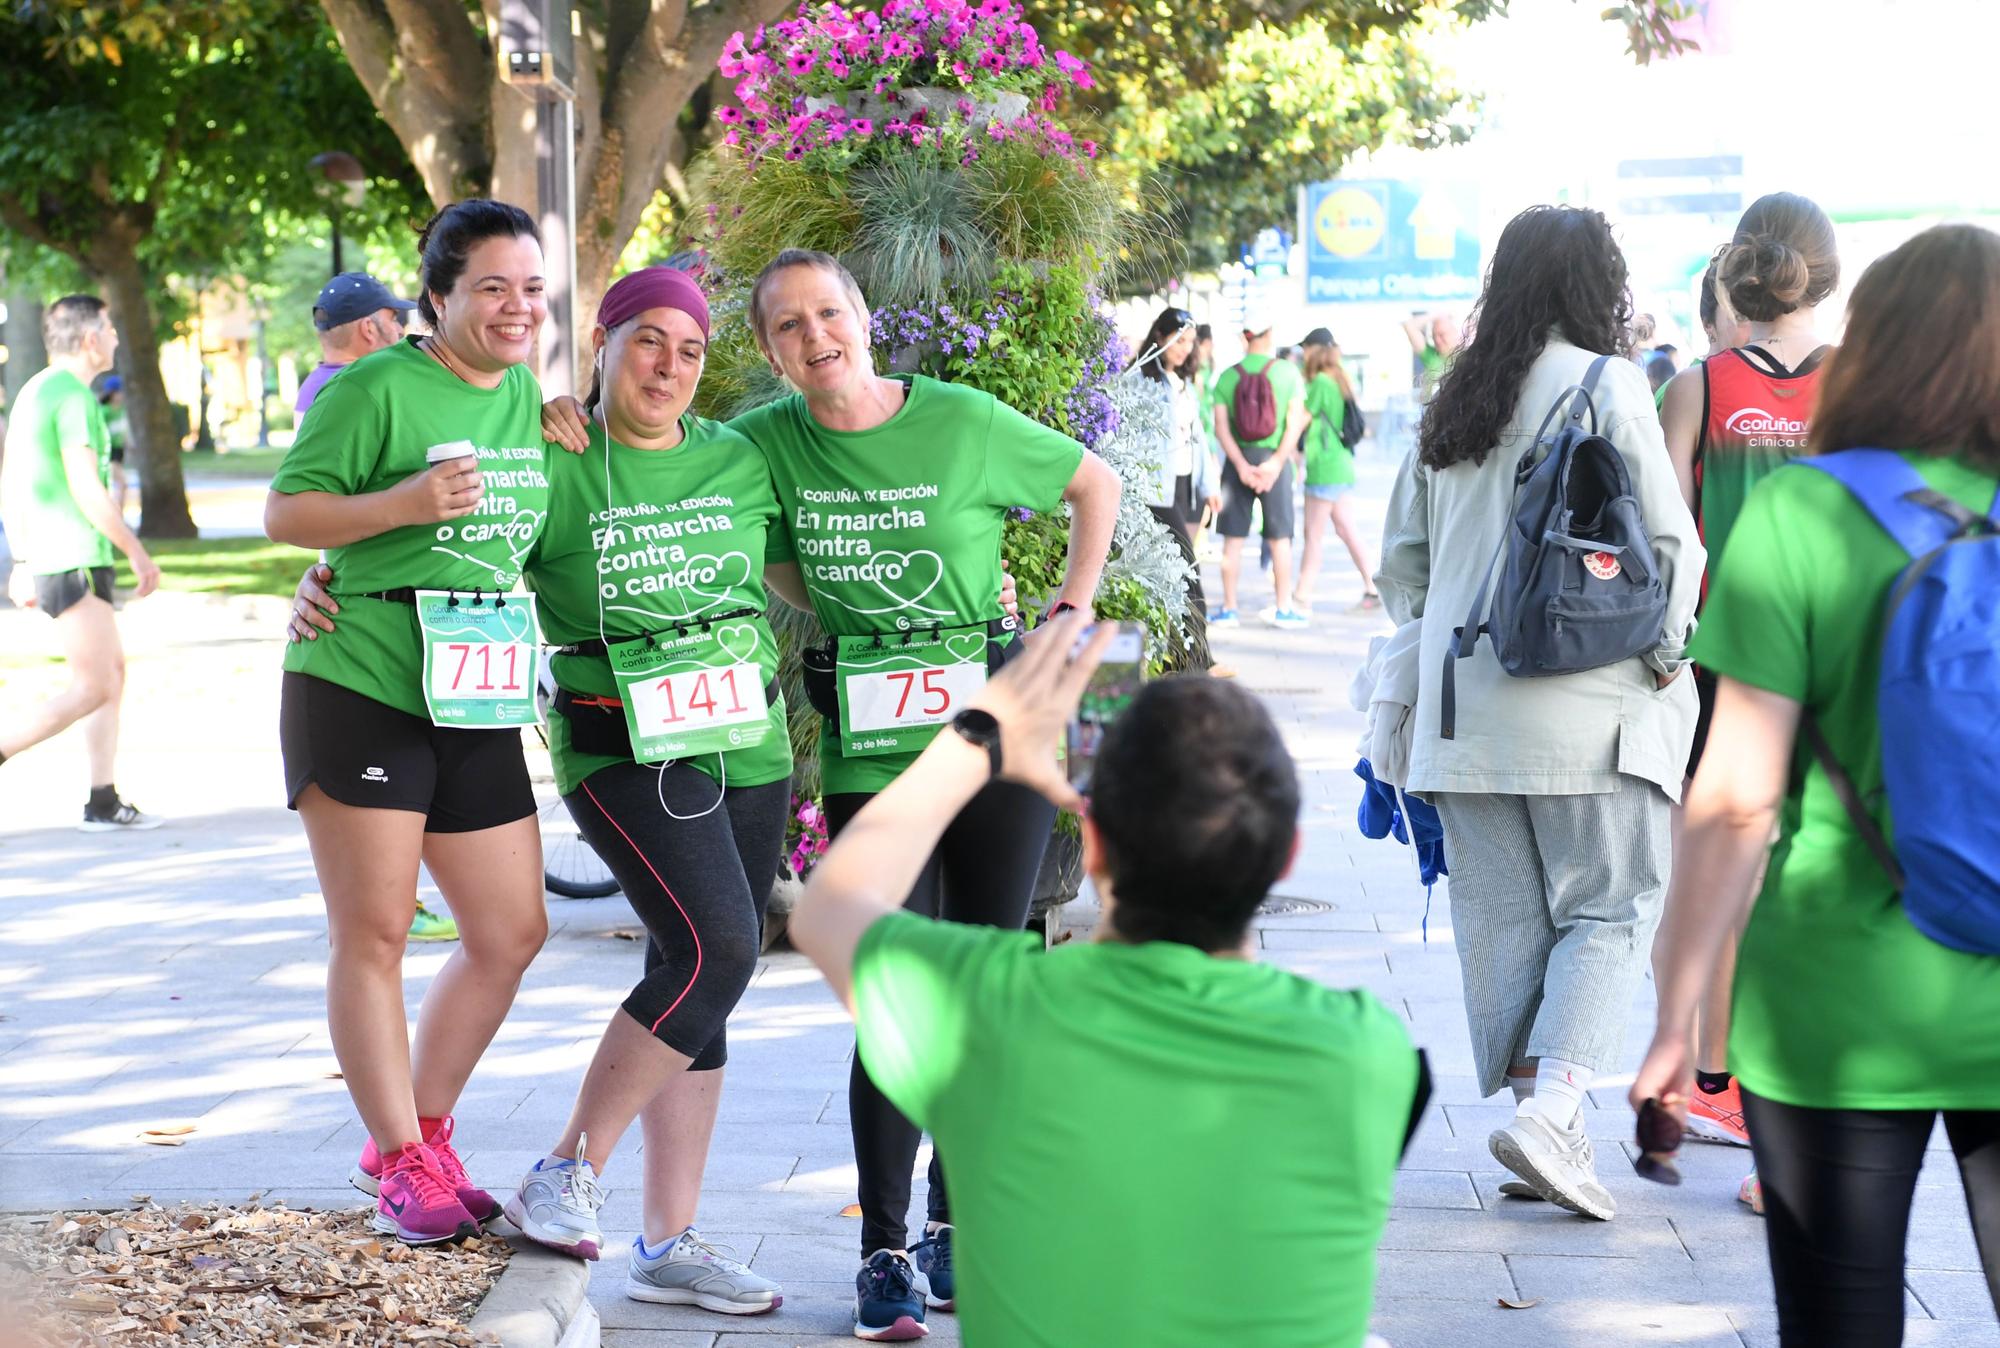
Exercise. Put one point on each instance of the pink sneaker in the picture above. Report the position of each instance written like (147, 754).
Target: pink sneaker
(416, 1204)
(367, 1173)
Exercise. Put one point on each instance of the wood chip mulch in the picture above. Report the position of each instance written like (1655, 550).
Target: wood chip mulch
(187, 1275)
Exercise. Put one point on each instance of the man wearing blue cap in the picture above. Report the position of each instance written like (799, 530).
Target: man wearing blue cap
(355, 314)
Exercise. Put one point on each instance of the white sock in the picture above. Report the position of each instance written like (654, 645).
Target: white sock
(1523, 1087)
(1559, 1088)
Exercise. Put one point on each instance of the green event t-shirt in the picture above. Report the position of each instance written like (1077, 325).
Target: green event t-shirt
(1155, 1106)
(684, 534)
(45, 529)
(899, 527)
(369, 430)
(1329, 463)
(1287, 387)
(1840, 1003)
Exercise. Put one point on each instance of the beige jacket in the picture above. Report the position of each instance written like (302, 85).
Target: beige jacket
(1572, 734)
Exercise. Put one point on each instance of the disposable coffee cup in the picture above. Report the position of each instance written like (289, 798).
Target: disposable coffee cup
(450, 449)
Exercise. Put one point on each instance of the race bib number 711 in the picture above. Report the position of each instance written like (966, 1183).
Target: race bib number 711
(481, 656)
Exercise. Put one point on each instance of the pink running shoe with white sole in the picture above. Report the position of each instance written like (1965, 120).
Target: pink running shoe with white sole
(367, 1173)
(417, 1204)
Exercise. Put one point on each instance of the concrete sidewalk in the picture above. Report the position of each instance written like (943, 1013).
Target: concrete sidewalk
(176, 977)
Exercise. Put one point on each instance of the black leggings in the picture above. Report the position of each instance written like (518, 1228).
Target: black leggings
(983, 874)
(1838, 1184)
(699, 885)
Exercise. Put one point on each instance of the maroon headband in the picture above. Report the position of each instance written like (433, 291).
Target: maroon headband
(653, 288)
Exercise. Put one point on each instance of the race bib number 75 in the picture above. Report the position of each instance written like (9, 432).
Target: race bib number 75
(894, 694)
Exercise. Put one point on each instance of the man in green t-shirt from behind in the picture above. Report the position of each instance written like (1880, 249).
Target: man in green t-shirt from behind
(1257, 468)
(62, 526)
(1119, 1110)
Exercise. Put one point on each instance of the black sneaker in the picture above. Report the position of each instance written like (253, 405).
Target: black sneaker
(116, 817)
(888, 1308)
(932, 1257)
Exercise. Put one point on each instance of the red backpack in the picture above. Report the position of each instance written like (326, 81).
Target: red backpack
(1253, 408)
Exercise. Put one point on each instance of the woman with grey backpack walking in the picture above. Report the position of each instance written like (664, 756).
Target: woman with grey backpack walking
(1538, 535)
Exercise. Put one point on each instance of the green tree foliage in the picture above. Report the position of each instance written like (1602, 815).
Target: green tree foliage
(145, 140)
(1234, 103)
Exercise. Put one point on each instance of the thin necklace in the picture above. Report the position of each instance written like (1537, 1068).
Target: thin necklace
(433, 348)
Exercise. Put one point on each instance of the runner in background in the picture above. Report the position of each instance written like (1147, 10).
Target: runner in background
(1329, 472)
(391, 474)
(895, 491)
(1853, 1029)
(1257, 471)
(62, 526)
(1434, 340)
(1730, 422)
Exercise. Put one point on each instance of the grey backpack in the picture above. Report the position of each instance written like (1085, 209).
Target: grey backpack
(1578, 584)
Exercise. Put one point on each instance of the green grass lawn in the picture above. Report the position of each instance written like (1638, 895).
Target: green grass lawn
(200, 463)
(223, 565)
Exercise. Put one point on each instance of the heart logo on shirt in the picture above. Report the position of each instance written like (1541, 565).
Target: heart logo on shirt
(738, 641)
(711, 578)
(904, 578)
(968, 648)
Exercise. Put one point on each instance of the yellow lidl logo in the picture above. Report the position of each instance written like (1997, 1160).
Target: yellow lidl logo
(1350, 222)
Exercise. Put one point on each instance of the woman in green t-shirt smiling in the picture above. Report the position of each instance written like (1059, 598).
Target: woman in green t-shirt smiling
(670, 748)
(420, 470)
(895, 491)
(1852, 1029)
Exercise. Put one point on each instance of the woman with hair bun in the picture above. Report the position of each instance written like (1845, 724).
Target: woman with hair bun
(1730, 423)
(420, 472)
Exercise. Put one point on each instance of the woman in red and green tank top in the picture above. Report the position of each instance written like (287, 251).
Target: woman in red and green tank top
(1731, 422)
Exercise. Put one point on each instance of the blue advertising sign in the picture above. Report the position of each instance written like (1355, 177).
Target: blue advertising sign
(1388, 239)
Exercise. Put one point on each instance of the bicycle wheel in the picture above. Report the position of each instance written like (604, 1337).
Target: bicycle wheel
(571, 868)
(570, 865)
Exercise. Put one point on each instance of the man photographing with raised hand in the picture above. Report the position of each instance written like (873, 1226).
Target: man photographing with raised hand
(1150, 1100)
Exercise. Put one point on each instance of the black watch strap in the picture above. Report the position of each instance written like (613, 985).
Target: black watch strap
(979, 728)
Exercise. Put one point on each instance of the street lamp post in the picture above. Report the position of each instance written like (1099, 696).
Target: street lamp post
(342, 181)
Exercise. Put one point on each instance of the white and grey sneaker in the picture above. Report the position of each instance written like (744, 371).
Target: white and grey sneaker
(692, 1272)
(557, 1206)
(1556, 1162)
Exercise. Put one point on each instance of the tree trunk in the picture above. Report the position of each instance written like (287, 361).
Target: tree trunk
(23, 336)
(163, 505)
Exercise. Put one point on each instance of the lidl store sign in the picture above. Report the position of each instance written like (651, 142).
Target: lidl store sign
(1389, 239)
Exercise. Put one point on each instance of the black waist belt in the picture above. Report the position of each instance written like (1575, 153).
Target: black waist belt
(596, 645)
(407, 594)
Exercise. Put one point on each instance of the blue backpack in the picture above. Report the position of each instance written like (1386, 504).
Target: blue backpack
(1937, 698)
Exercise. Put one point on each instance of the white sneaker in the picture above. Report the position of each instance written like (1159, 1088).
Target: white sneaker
(1556, 1162)
(557, 1206)
(692, 1272)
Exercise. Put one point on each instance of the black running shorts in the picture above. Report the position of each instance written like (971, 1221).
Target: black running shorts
(66, 589)
(367, 753)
